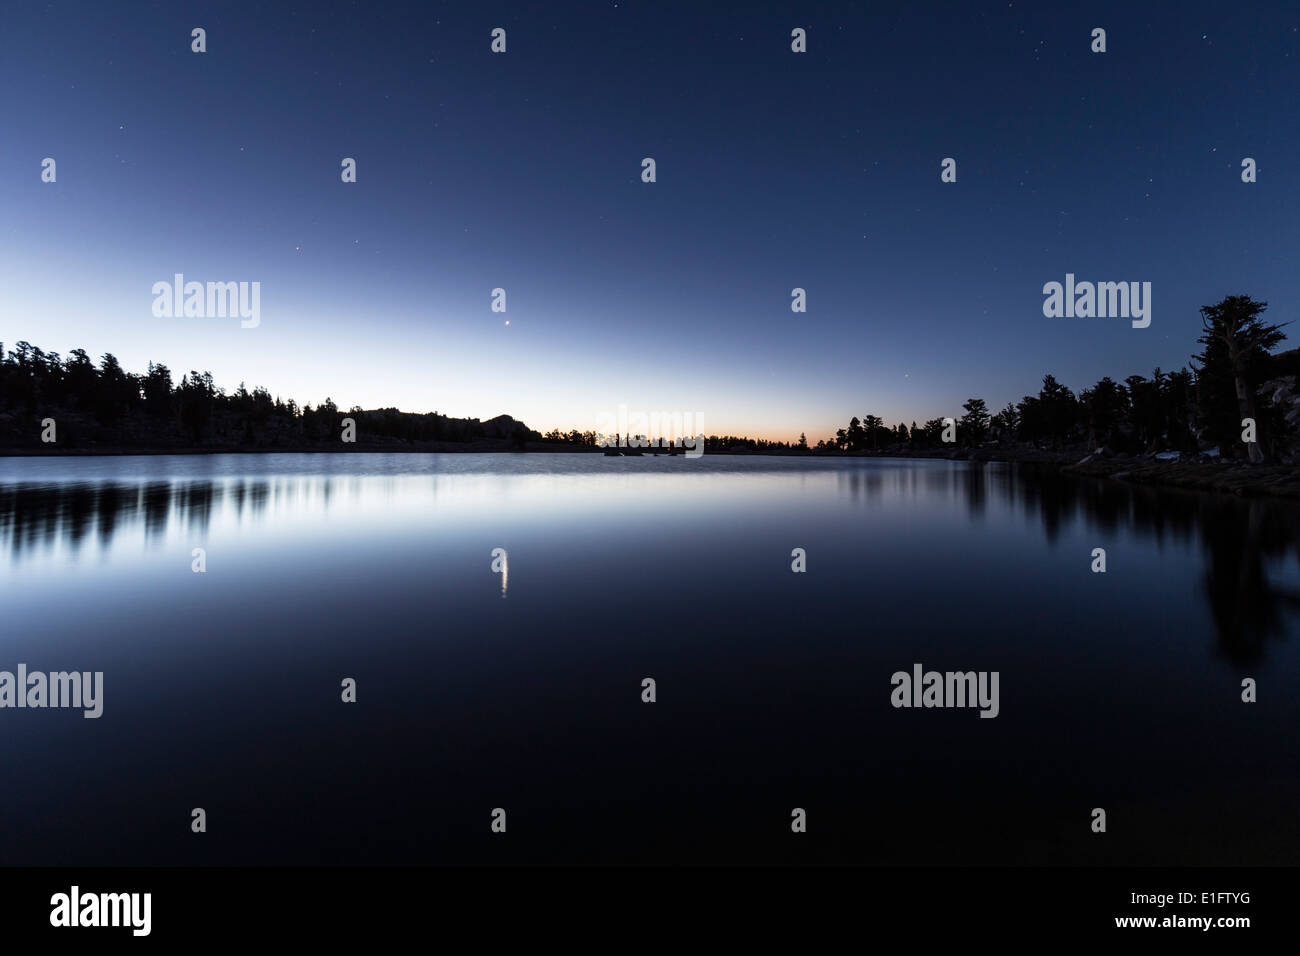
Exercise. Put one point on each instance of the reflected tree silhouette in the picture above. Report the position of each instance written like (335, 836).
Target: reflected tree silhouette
(1241, 540)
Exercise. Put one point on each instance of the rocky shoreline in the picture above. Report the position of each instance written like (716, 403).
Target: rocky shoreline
(1225, 477)
(1189, 472)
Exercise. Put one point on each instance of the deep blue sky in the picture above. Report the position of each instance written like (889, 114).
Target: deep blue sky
(522, 171)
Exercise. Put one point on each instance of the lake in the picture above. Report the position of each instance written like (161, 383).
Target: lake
(521, 687)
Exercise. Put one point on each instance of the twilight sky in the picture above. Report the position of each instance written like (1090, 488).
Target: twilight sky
(522, 170)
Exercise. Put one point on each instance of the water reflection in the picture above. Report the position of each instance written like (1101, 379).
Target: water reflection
(1247, 607)
(35, 514)
(1239, 541)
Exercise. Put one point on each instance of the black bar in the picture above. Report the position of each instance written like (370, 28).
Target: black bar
(657, 905)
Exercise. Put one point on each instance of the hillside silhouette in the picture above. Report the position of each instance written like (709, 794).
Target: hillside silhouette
(104, 407)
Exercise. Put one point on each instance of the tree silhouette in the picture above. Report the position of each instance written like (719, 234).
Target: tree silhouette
(1236, 343)
(974, 425)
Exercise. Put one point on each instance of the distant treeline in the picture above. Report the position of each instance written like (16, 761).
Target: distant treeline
(1234, 377)
(712, 443)
(105, 405)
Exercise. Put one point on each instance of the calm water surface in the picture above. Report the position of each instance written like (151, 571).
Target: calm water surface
(479, 690)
